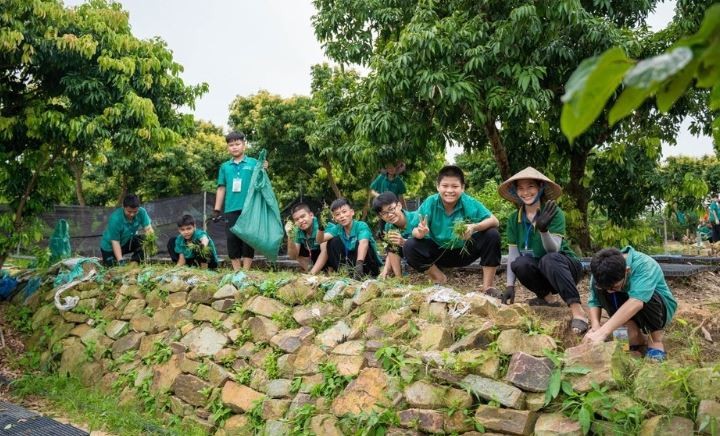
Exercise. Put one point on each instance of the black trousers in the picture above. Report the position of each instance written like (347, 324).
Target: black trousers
(193, 261)
(134, 246)
(338, 257)
(421, 254)
(652, 316)
(237, 248)
(553, 273)
(715, 233)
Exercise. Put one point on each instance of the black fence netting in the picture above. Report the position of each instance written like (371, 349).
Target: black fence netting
(87, 223)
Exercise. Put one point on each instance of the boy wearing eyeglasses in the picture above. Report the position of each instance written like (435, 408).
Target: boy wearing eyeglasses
(399, 224)
(630, 286)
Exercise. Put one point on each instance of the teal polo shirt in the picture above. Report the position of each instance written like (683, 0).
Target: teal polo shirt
(359, 230)
(441, 224)
(121, 230)
(383, 184)
(411, 221)
(231, 171)
(645, 278)
(309, 241)
(182, 248)
(520, 232)
(715, 206)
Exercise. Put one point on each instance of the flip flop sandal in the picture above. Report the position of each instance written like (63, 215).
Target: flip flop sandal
(655, 354)
(579, 326)
(492, 292)
(541, 302)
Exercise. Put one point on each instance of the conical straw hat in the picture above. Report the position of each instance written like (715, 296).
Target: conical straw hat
(552, 190)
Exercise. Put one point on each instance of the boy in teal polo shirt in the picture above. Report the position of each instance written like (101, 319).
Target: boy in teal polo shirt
(350, 242)
(302, 239)
(193, 246)
(233, 185)
(435, 242)
(630, 286)
(538, 253)
(399, 224)
(120, 236)
(714, 216)
(389, 181)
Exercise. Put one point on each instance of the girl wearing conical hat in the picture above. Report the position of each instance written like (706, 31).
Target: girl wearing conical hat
(539, 255)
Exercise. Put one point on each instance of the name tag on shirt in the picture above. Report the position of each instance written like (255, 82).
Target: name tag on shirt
(237, 185)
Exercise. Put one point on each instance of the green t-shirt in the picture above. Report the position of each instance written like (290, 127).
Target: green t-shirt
(383, 184)
(521, 232)
(358, 231)
(181, 246)
(235, 177)
(302, 238)
(441, 224)
(645, 278)
(411, 221)
(120, 229)
(715, 206)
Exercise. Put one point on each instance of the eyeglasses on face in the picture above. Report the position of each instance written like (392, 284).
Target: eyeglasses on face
(389, 210)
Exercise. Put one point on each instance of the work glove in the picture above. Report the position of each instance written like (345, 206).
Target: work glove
(542, 221)
(359, 272)
(508, 297)
(216, 215)
(289, 226)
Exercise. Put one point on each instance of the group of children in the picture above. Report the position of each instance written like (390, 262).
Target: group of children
(449, 229)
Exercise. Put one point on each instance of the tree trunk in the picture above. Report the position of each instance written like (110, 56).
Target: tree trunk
(123, 190)
(331, 179)
(77, 170)
(579, 230)
(498, 148)
(18, 219)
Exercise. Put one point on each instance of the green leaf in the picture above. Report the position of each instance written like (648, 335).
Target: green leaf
(675, 87)
(584, 417)
(576, 370)
(629, 100)
(554, 386)
(649, 72)
(589, 88)
(715, 97)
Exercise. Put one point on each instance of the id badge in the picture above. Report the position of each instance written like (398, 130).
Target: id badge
(528, 253)
(237, 185)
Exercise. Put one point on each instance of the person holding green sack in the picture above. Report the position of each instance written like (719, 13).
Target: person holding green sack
(260, 225)
(539, 255)
(233, 181)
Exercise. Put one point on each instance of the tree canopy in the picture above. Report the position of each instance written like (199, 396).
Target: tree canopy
(74, 83)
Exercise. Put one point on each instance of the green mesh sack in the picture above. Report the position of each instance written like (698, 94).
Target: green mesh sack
(60, 242)
(259, 224)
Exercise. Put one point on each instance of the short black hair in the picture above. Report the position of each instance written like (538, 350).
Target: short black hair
(385, 199)
(337, 204)
(299, 207)
(451, 171)
(132, 201)
(186, 220)
(234, 136)
(608, 267)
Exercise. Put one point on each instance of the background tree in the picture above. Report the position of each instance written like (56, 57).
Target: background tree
(72, 81)
(186, 167)
(487, 74)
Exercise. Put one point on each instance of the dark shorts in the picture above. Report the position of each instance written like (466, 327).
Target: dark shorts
(650, 318)
(312, 254)
(134, 246)
(236, 247)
